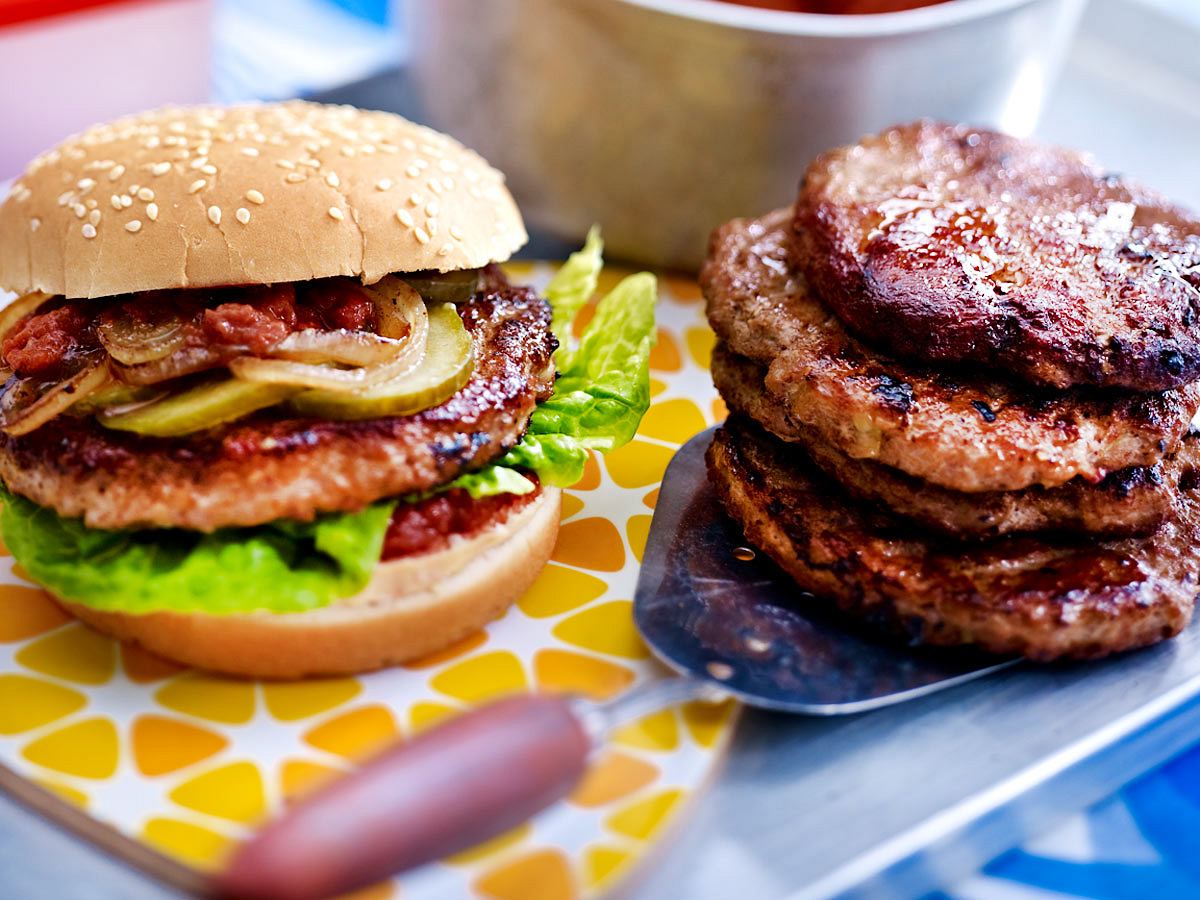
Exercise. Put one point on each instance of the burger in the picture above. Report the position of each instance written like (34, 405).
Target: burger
(271, 408)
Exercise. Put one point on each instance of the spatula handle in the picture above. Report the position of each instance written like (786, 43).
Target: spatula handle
(448, 789)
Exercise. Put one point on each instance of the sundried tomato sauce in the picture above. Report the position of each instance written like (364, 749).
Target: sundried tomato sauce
(251, 319)
(429, 524)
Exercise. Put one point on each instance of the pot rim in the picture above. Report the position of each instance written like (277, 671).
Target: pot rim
(773, 21)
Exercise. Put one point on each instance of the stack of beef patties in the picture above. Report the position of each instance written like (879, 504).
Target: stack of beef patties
(961, 374)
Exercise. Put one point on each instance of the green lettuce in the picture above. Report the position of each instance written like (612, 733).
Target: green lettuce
(284, 566)
(600, 396)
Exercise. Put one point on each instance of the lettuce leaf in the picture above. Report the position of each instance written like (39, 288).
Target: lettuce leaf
(571, 287)
(284, 566)
(601, 393)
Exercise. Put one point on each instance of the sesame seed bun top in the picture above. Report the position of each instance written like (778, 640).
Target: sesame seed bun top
(259, 194)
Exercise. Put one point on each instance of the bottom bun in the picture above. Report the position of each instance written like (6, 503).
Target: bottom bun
(412, 607)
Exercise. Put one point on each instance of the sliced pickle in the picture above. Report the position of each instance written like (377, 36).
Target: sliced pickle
(444, 287)
(197, 408)
(449, 359)
(115, 395)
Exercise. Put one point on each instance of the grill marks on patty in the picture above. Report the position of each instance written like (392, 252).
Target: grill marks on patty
(1135, 500)
(948, 244)
(1044, 598)
(274, 465)
(957, 430)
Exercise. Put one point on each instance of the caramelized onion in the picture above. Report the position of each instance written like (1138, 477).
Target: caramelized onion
(132, 343)
(23, 407)
(403, 319)
(187, 361)
(19, 309)
(353, 348)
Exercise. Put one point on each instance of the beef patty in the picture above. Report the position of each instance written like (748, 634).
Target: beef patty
(274, 465)
(1042, 598)
(1130, 501)
(950, 244)
(959, 432)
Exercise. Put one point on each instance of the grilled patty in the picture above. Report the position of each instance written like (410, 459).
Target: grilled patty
(1043, 598)
(274, 465)
(958, 432)
(1126, 502)
(950, 244)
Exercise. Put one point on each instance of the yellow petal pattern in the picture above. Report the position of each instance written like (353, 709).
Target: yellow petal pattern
(614, 776)
(161, 745)
(591, 543)
(641, 819)
(25, 612)
(638, 464)
(605, 628)
(674, 420)
(355, 734)
(233, 792)
(573, 673)
(189, 843)
(544, 875)
(75, 654)
(207, 697)
(482, 677)
(558, 590)
(294, 700)
(87, 749)
(28, 703)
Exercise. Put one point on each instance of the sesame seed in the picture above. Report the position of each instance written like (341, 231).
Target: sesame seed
(456, 232)
(196, 185)
(198, 162)
(347, 151)
(255, 196)
(295, 177)
(445, 249)
(65, 197)
(161, 168)
(249, 151)
(89, 230)
(133, 226)
(85, 184)
(134, 188)
(152, 212)
(151, 143)
(405, 218)
(336, 214)
(214, 215)
(209, 170)
(79, 209)
(415, 199)
(285, 164)
(242, 215)
(92, 204)
(435, 185)
(432, 208)
(422, 235)
(126, 201)
(383, 184)
(35, 223)
(115, 200)
(412, 171)
(432, 226)
(332, 180)
(145, 195)
(448, 183)
(311, 163)
(94, 217)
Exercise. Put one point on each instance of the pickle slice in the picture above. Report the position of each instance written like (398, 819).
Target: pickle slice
(197, 408)
(116, 394)
(446, 367)
(444, 287)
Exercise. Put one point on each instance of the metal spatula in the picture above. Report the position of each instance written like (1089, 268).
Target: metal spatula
(726, 620)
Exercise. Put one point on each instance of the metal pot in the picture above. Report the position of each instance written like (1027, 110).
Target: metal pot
(660, 119)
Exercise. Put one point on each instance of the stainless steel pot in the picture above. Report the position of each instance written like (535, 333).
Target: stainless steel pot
(660, 119)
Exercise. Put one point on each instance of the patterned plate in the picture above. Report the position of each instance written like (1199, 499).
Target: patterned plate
(188, 763)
